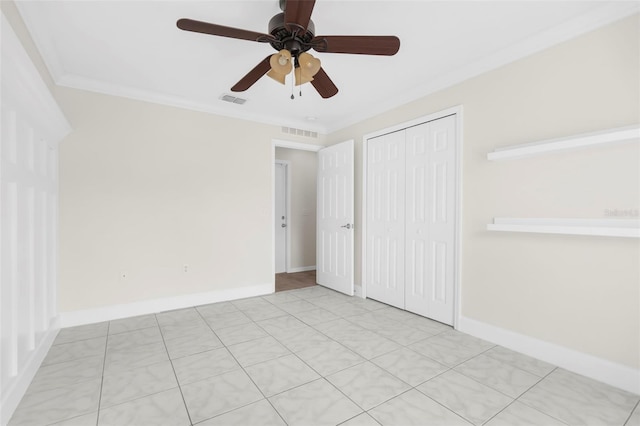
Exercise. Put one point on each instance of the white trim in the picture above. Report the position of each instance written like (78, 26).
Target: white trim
(15, 393)
(457, 291)
(608, 372)
(621, 134)
(597, 227)
(458, 112)
(301, 269)
(273, 212)
(288, 183)
(113, 312)
(296, 145)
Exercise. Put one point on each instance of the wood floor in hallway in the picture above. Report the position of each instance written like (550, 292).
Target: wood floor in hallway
(295, 280)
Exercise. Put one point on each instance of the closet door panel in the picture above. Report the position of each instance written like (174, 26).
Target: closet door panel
(433, 296)
(385, 218)
(418, 214)
(443, 226)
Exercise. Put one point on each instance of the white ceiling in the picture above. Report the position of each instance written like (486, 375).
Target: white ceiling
(133, 49)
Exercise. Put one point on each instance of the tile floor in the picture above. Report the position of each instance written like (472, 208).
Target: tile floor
(303, 357)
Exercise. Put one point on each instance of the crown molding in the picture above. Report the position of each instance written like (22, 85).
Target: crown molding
(582, 24)
(573, 28)
(225, 109)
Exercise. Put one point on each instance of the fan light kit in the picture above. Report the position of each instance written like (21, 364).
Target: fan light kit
(306, 67)
(292, 34)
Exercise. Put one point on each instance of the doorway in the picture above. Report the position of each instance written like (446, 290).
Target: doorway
(294, 259)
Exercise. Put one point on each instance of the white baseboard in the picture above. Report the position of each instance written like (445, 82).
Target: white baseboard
(301, 269)
(108, 313)
(18, 387)
(611, 373)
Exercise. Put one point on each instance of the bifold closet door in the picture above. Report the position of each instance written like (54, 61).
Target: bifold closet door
(430, 219)
(385, 218)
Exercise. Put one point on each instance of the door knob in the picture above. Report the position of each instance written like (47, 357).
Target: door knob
(348, 226)
(284, 225)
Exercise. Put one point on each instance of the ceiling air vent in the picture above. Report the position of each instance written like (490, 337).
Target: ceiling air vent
(299, 132)
(233, 99)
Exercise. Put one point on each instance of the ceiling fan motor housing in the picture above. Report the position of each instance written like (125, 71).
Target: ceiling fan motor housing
(294, 42)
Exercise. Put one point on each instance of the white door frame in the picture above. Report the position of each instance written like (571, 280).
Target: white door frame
(277, 143)
(458, 111)
(287, 206)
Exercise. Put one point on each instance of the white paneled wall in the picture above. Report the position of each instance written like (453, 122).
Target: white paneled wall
(32, 126)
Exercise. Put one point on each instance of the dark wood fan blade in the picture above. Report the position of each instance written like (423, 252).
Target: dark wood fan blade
(362, 45)
(297, 14)
(220, 30)
(252, 76)
(324, 85)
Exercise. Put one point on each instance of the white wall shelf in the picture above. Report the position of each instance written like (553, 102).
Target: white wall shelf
(586, 139)
(599, 227)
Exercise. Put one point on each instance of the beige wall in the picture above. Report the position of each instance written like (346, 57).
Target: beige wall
(302, 223)
(580, 292)
(146, 189)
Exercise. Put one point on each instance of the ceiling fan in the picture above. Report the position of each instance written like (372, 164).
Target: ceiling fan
(292, 34)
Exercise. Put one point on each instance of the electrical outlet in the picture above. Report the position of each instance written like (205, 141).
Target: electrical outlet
(185, 268)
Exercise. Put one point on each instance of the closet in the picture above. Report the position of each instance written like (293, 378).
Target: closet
(411, 218)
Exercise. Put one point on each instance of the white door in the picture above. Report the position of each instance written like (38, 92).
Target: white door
(334, 253)
(430, 219)
(385, 218)
(280, 217)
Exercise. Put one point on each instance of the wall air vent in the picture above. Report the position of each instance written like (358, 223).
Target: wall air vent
(233, 99)
(299, 132)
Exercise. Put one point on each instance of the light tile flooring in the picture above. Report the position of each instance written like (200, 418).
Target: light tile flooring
(303, 357)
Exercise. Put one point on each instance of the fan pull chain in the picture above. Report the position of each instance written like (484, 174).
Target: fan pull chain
(292, 87)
